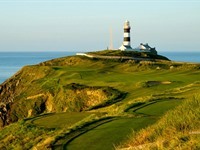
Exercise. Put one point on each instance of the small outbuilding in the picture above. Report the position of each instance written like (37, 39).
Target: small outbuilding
(145, 48)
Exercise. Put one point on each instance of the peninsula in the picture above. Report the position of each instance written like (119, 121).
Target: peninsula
(74, 101)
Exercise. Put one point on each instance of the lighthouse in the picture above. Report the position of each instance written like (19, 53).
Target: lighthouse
(127, 38)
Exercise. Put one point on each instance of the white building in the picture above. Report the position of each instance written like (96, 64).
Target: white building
(126, 45)
(145, 48)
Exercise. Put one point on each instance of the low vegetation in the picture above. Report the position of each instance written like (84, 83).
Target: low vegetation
(64, 102)
(177, 129)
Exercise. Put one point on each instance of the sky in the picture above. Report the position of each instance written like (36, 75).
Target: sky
(84, 25)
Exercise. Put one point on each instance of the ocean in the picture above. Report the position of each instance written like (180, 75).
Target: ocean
(11, 62)
(182, 56)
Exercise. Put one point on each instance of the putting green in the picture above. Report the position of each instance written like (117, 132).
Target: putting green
(158, 108)
(110, 134)
(106, 136)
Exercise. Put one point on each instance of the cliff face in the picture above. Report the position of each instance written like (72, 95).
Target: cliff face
(43, 89)
(13, 90)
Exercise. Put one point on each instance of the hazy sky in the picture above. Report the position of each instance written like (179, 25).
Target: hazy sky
(84, 25)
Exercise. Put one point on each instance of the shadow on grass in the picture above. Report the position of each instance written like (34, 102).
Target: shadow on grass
(62, 140)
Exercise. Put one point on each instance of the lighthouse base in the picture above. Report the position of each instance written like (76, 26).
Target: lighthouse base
(125, 48)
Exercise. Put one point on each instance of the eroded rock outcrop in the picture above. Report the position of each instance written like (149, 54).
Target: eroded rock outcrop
(4, 119)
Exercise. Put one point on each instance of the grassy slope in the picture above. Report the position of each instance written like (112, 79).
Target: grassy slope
(127, 77)
(178, 129)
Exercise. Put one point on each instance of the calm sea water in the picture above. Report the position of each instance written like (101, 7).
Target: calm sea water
(182, 56)
(11, 62)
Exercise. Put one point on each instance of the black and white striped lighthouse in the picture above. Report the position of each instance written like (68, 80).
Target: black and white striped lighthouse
(127, 38)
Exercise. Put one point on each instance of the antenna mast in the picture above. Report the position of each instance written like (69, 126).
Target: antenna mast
(111, 40)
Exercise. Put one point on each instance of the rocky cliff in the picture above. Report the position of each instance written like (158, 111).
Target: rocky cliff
(42, 89)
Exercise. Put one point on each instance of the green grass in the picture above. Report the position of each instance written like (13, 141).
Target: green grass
(108, 134)
(51, 79)
(177, 129)
(158, 108)
(22, 135)
(116, 131)
(59, 120)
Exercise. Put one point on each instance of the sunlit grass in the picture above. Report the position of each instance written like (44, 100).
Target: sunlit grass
(43, 89)
(177, 129)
